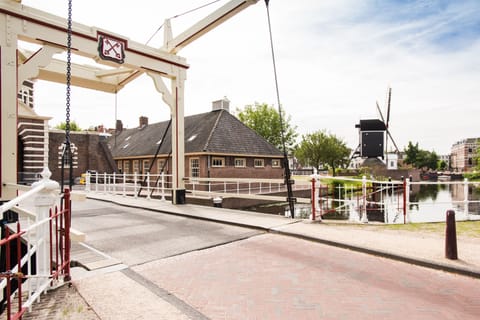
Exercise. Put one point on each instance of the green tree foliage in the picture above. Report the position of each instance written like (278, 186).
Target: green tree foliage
(265, 120)
(421, 159)
(477, 157)
(73, 126)
(442, 165)
(320, 149)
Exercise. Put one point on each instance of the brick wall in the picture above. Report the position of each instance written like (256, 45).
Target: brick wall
(32, 145)
(89, 153)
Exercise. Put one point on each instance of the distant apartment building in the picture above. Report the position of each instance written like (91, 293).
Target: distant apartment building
(463, 155)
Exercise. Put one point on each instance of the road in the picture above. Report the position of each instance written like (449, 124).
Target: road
(215, 271)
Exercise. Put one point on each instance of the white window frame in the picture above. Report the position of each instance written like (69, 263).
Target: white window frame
(126, 166)
(160, 164)
(147, 166)
(276, 163)
(195, 170)
(241, 162)
(262, 161)
(136, 166)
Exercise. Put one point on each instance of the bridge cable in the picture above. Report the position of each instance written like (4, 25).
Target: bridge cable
(181, 14)
(288, 180)
(155, 158)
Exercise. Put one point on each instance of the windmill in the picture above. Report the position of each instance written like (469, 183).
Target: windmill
(373, 143)
(386, 123)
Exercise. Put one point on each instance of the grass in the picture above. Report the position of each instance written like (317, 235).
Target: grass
(470, 229)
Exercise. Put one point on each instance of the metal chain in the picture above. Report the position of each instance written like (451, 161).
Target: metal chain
(69, 70)
(67, 156)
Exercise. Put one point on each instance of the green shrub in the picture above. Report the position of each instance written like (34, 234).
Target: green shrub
(472, 175)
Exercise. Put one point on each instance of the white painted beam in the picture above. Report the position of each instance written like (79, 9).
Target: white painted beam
(207, 24)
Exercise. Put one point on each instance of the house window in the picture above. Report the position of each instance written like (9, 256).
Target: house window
(146, 166)
(258, 163)
(135, 166)
(160, 164)
(126, 166)
(119, 165)
(276, 163)
(218, 162)
(240, 162)
(195, 167)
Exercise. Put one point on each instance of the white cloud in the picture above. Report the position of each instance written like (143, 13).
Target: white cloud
(334, 60)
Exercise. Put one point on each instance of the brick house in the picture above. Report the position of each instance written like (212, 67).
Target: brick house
(39, 146)
(217, 145)
(463, 154)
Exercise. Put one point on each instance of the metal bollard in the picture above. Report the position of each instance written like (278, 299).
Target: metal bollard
(451, 236)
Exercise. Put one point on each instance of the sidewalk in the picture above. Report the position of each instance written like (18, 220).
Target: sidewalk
(147, 301)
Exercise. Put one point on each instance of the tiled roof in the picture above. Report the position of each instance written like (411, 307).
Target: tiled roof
(215, 132)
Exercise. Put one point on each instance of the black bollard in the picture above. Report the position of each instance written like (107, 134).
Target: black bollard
(451, 237)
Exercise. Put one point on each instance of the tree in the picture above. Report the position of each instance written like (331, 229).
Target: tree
(321, 149)
(73, 126)
(411, 153)
(265, 120)
(477, 157)
(442, 165)
(419, 158)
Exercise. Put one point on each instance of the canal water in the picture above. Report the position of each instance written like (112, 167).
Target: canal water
(426, 203)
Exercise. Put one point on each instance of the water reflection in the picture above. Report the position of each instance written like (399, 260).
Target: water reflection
(426, 203)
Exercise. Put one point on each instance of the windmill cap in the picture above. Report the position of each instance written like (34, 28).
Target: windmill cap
(371, 125)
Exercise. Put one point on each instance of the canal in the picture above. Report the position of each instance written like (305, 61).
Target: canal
(424, 203)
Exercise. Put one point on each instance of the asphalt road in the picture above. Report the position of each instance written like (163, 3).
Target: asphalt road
(245, 274)
(136, 236)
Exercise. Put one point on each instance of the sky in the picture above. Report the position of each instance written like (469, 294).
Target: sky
(335, 59)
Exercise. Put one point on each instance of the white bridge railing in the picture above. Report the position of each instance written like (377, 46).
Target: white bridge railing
(35, 244)
(160, 185)
(129, 184)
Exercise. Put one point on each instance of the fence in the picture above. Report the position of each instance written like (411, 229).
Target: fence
(358, 200)
(160, 185)
(129, 184)
(34, 258)
(394, 201)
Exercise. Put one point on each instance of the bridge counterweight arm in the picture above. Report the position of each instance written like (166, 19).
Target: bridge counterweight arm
(207, 24)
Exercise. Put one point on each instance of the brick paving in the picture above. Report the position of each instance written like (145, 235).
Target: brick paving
(61, 303)
(277, 277)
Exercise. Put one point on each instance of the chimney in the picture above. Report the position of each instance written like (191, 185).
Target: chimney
(119, 126)
(222, 104)
(143, 121)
